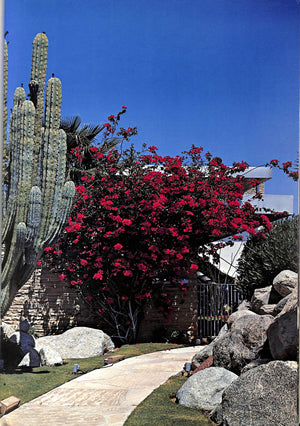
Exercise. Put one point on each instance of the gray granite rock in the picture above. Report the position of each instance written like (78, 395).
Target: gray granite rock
(237, 315)
(242, 344)
(263, 396)
(283, 335)
(78, 342)
(260, 297)
(203, 390)
(285, 282)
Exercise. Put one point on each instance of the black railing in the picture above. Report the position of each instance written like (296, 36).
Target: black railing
(215, 303)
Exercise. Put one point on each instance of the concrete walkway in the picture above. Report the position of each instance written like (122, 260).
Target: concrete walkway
(103, 396)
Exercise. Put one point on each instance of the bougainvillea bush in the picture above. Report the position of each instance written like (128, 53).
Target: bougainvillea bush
(142, 219)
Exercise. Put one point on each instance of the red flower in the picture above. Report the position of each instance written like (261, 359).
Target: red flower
(62, 277)
(194, 267)
(274, 162)
(118, 246)
(98, 276)
(83, 262)
(124, 107)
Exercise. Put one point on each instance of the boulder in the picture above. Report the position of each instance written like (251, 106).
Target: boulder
(260, 297)
(207, 351)
(285, 282)
(203, 390)
(50, 357)
(78, 342)
(281, 304)
(266, 395)
(282, 334)
(268, 310)
(237, 315)
(242, 344)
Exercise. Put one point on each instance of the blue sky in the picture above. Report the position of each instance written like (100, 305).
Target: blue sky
(222, 74)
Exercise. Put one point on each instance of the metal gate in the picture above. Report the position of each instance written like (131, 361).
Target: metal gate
(215, 303)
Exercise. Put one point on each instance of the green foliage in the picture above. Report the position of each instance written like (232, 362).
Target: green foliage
(37, 200)
(263, 259)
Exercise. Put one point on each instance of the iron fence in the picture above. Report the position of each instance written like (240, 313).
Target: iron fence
(215, 303)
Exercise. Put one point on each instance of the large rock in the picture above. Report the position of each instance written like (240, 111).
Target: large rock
(207, 351)
(237, 315)
(281, 304)
(203, 390)
(243, 343)
(264, 396)
(78, 342)
(283, 334)
(285, 282)
(260, 297)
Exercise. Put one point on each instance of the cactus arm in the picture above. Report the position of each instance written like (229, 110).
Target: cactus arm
(26, 147)
(36, 88)
(14, 165)
(13, 263)
(60, 218)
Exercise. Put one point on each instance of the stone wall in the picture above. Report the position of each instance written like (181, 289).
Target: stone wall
(47, 302)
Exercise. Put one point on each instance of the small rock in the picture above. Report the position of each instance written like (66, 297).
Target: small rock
(205, 364)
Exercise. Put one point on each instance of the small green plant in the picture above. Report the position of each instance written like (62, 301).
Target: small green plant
(263, 259)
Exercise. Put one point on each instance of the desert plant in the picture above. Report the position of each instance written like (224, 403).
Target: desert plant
(263, 259)
(37, 199)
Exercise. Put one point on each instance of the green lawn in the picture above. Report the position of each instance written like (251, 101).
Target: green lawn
(159, 408)
(28, 386)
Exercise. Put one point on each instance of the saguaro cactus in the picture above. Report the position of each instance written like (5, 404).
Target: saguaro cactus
(37, 199)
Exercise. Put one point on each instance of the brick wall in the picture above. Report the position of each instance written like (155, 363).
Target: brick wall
(51, 306)
(184, 317)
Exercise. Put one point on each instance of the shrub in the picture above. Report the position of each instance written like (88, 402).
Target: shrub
(263, 259)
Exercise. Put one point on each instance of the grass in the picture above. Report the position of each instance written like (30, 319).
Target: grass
(159, 408)
(29, 385)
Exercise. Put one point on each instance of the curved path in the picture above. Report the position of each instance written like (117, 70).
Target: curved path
(104, 396)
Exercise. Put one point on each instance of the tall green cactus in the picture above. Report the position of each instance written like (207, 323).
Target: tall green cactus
(38, 200)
